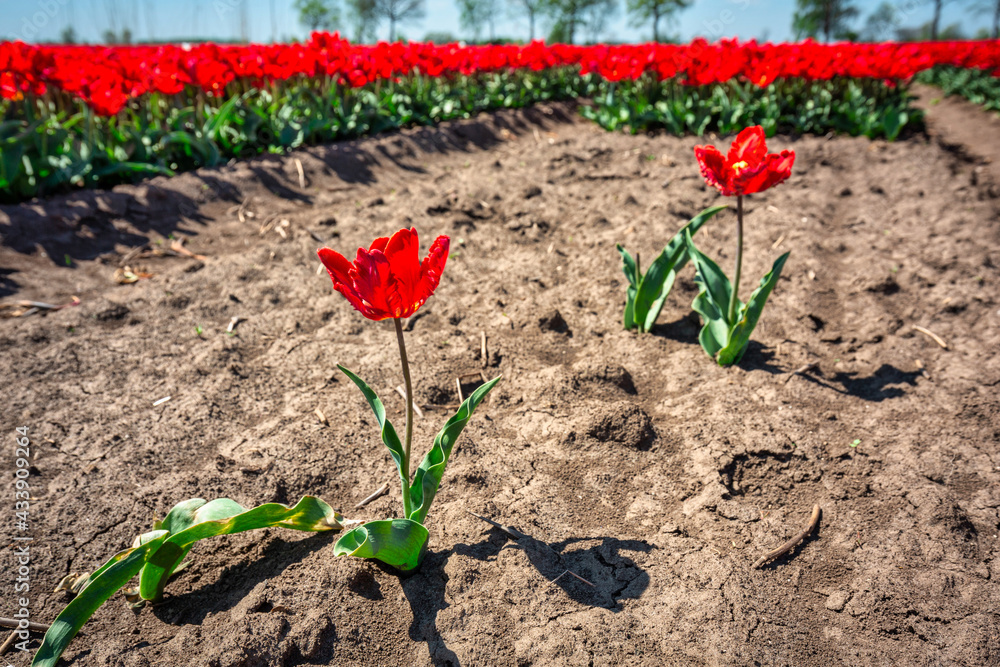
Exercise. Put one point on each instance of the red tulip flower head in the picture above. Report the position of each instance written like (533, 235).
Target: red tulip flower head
(748, 168)
(388, 279)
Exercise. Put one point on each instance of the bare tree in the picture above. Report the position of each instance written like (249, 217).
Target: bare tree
(317, 14)
(829, 17)
(474, 14)
(399, 11)
(643, 11)
(936, 21)
(532, 8)
(362, 17)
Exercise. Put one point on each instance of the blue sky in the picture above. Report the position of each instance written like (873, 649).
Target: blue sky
(40, 20)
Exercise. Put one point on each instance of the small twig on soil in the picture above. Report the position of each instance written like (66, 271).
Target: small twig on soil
(14, 623)
(790, 544)
(416, 408)
(132, 254)
(801, 371)
(933, 336)
(513, 532)
(575, 575)
(302, 176)
(777, 243)
(8, 642)
(461, 398)
(482, 349)
(160, 401)
(26, 308)
(379, 492)
(316, 237)
(236, 319)
(322, 418)
(451, 406)
(923, 371)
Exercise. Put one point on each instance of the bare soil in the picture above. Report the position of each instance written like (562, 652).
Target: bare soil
(633, 460)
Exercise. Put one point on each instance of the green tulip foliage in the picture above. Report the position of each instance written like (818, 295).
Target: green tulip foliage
(402, 543)
(646, 293)
(723, 337)
(155, 555)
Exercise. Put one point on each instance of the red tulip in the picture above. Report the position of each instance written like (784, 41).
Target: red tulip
(388, 279)
(748, 168)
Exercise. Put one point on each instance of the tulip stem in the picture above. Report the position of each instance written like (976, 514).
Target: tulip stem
(409, 418)
(734, 297)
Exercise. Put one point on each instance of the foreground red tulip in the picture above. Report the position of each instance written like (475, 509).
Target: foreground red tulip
(748, 168)
(388, 279)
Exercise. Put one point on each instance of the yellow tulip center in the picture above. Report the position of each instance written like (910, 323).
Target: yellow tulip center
(740, 166)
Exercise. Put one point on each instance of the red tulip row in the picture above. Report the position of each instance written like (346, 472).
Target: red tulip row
(108, 77)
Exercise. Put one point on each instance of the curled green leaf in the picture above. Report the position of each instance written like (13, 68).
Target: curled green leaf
(400, 543)
(157, 554)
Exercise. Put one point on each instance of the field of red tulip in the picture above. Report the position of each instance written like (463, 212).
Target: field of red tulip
(73, 116)
(480, 391)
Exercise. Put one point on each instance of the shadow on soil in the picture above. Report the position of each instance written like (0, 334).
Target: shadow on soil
(614, 576)
(84, 225)
(686, 330)
(610, 575)
(236, 581)
(876, 387)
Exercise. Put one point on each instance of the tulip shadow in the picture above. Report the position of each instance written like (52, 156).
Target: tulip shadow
(8, 285)
(593, 571)
(875, 388)
(686, 330)
(425, 592)
(235, 582)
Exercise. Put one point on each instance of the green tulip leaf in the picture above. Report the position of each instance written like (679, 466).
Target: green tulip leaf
(195, 520)
(632, 273)
(389, 436)
(156, 555)
(749, 314)
(712, 300)
(400, 543)
(100, 586)
(655, 286)
(428, 476)
(647, 293)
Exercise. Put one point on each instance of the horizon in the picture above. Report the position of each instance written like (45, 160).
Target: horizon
(43, 21)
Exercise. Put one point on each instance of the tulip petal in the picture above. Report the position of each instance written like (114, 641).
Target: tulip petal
(713, 166)
(336, 265)
(379, 244)
(371, 276)
(749, 146)
(772, 170)
(432, 267)
(403, 253)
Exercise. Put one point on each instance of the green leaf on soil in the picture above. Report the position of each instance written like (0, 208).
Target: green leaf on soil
(400, 543)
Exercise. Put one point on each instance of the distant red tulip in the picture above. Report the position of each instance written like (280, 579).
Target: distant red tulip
(748, 168)
(388, 279)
